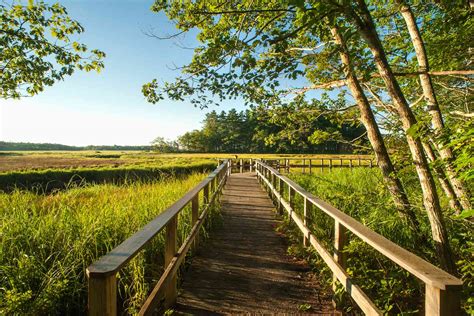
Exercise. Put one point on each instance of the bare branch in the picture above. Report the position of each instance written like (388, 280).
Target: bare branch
(459, 113)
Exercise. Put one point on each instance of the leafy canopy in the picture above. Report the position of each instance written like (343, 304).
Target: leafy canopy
(36, 48)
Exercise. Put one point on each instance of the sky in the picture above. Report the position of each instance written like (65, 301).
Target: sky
(108, 108)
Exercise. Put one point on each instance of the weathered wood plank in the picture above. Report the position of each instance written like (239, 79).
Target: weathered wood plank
(243, 268)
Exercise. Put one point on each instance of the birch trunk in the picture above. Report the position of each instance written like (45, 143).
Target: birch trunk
(433, 106)
(443, 181)
(367, 117)
(430, 196)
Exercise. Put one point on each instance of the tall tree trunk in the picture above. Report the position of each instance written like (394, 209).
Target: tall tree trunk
(433, 106)
(430, 196)
(367, 117)
(445, 185)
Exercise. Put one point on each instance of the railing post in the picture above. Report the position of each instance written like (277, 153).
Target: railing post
(195, 217)
(280, 190)
(251, 165)
(304, 167)
(358, 160)
(102, 295)
(241, 165)
(171, 289)
(370, 163)
(273, 186)
(205, 193)
(322, 165)
(340, 160)
(330, 164)
(213, 186)
(291, 197)
(440, 302)
(310, 166)
(350, 163)
(340, 235)
(307, 210)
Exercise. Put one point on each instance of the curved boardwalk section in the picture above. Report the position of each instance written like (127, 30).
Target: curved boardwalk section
(244, 266)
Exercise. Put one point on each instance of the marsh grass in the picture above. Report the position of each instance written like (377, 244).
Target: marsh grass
(49, 180)
(47, 242)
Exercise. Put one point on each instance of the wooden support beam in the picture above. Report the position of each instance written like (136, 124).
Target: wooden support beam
(340, 235)
(205, 193)
(280, 191)
(194, 218)
(171, 289)
(442, 302)
(291, 197)
(308, 206)
(102, 295)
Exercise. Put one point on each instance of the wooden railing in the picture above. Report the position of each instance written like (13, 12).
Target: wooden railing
(102, 273)
(442, 290)
(309, 164)
(303, 164)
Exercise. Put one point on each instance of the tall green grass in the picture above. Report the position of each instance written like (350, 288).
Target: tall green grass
(361, 194)
(47, 242)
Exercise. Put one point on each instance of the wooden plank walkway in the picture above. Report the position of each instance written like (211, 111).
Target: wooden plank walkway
(244, 266)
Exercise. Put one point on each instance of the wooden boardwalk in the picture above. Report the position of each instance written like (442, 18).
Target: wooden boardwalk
(244, 266)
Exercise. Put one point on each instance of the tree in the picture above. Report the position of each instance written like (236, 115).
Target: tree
(433, 107)
(162, 145)
(37, 49)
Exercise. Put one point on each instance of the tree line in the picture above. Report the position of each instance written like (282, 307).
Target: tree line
(300, 129)
(19, 146)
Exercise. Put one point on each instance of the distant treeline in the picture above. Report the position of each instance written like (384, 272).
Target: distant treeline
(11, 146)
(254, 131)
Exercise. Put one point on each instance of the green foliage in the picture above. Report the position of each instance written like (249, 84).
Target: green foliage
(164, 146)
(361, 194)
(37, 48)
(462, 143)
(49, 240)
(287, 129)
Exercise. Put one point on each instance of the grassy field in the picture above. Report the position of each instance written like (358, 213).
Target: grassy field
(20, 161)
(361, 193)
(47, 241)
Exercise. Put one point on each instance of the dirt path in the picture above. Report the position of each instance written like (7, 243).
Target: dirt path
(244, 266)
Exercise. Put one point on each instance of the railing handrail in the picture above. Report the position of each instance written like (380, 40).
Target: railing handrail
(114, 260)
(441, 288)
(417, 266)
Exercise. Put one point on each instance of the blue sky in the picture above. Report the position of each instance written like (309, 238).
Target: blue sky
(108, 108)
